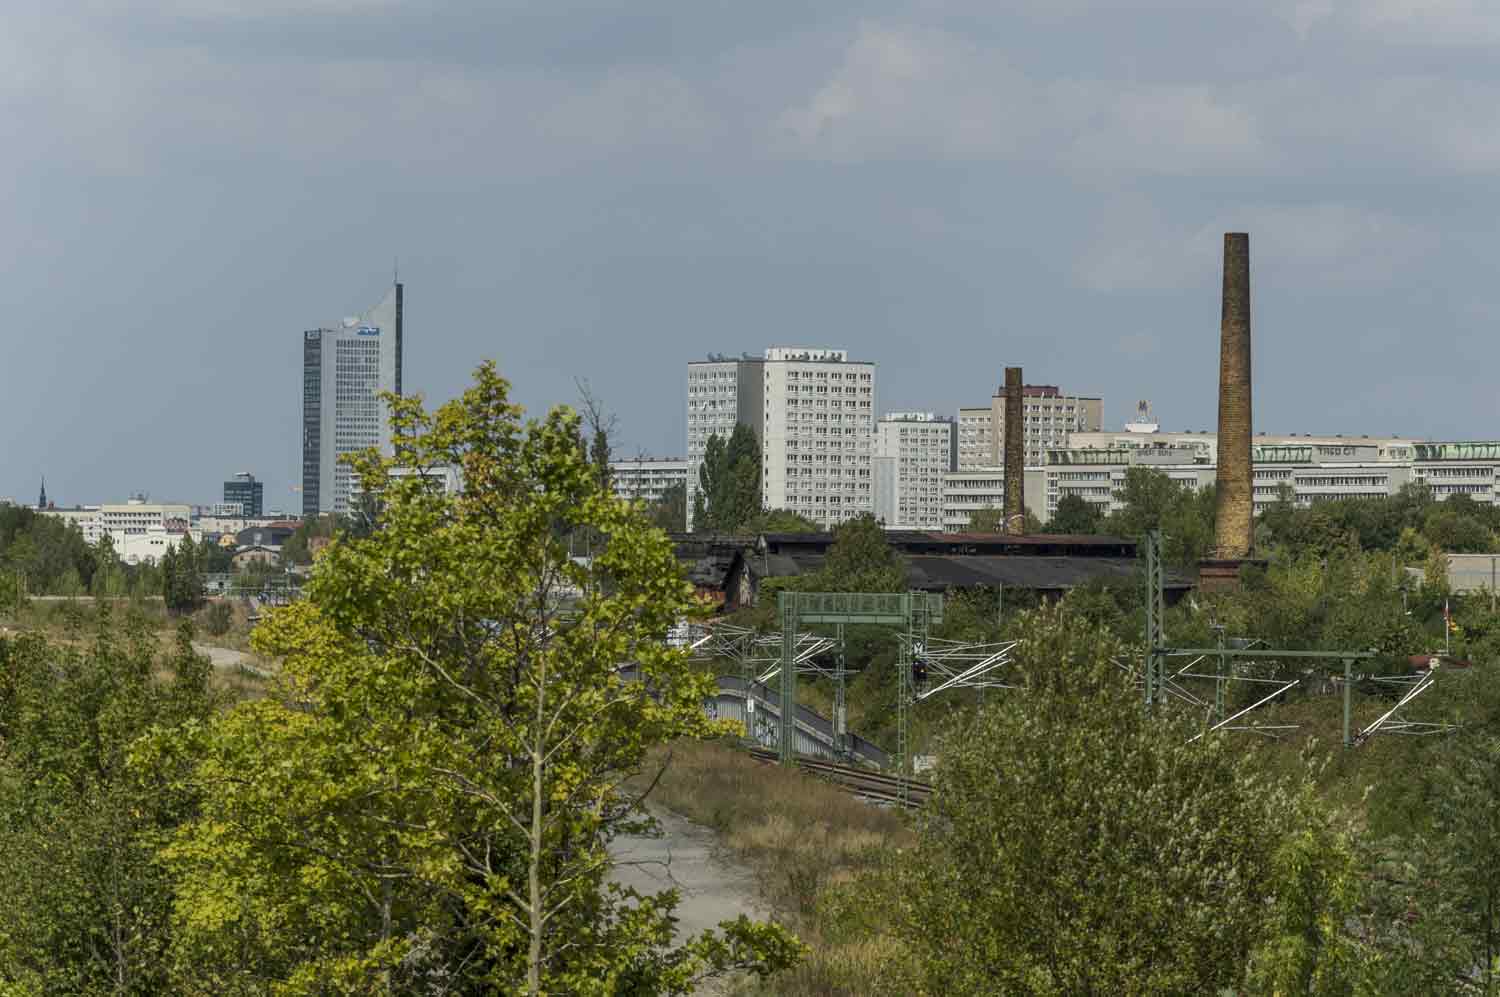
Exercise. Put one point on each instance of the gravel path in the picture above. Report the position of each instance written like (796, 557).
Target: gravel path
(228, 657)
(684, 857)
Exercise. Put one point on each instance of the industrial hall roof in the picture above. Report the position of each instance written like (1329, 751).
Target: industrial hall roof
(914, 542)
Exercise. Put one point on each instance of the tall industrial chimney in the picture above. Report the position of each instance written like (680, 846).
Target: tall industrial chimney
(1015, 453)
(1233, 500)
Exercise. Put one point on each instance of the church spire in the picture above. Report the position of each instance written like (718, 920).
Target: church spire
(41, 503)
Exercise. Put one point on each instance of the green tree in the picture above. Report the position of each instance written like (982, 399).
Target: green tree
(182, 580)
(1075, 844)
(1075, 515)
(426, 803)
(298, 547)
(783, 521)
(728, 498)
(669, 513)
(990, 520)
(87, 908)
(860, 560)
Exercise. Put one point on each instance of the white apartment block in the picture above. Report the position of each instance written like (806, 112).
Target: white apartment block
(968, 490)
(721, 392)
(818, 434)
(646, 479)
(913, 453)
(1050, 416)
(136, 517)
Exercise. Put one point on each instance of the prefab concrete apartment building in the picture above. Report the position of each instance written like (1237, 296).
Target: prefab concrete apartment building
(913, 452)
(1050, 415)
(813, 410)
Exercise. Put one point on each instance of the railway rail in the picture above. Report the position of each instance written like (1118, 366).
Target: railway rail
(875, 786)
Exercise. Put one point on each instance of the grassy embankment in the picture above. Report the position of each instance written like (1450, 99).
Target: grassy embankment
(70, 621)
(804, 840)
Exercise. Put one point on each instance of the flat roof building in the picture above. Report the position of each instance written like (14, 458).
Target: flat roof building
(247, 493)
(646, 479)
(913, 452)
(344, 370)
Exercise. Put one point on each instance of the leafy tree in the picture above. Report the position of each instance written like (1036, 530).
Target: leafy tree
(1075, 515)
(45, 550)
(990, 520)
(728, 498)
(298, 547)
(860, 560)
(182, 581)
(1077, 845)
(783, 521)
(87, 908)
(669, 513)
(425, 804)
(1152, 500)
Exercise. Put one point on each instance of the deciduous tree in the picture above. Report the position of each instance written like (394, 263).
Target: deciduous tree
(426, 804)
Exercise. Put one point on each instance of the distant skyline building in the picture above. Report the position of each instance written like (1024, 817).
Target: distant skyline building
(914, 451)
(250, 495)
(1050, 416)
(344, 370)
(813, 411)
(721, 391)
(646, 479)
(817, 448)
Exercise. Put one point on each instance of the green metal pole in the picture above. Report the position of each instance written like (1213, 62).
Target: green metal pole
(788, 602)
(1349, 690)
(1219, 682)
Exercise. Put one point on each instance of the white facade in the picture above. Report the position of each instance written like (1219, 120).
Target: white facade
(720, 393)
(1314, 472)
(647, 478)
(137, 517)
(818, 434)
(150, 546)
(971, 489)
(344, 371)
(976, 438)
(913, 453)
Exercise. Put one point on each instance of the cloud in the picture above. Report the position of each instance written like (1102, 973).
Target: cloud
(906, 91)
(1136, 248)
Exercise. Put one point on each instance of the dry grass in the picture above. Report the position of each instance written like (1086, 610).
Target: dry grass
(811, 846)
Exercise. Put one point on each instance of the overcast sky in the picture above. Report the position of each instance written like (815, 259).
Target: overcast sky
(605, 190)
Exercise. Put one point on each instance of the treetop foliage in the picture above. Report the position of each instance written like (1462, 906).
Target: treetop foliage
(728, 498)
(429, 796)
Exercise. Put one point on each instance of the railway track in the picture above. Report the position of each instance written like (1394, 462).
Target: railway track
(875, 786)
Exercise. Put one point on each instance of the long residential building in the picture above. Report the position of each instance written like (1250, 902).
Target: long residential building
(646, 479)
(813, 412)
(1315, 469)
(913, 451)
(345, 368)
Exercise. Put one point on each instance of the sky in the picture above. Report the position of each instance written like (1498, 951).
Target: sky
(601, 191)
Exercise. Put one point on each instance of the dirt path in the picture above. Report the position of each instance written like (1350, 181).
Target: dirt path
(685, 858)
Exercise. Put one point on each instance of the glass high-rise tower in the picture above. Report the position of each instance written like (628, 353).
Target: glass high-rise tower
(344, 370)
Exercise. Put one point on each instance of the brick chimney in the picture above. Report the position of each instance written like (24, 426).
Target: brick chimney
(1234, 506)
(1015, 452)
